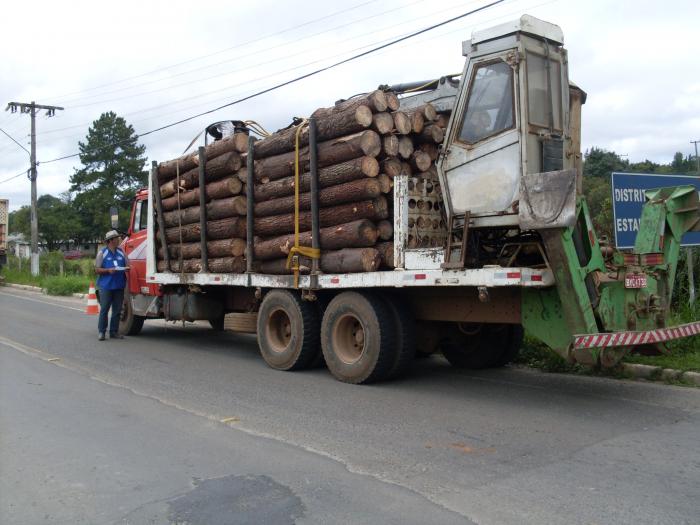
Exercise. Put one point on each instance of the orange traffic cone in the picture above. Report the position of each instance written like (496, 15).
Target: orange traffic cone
(92, 307)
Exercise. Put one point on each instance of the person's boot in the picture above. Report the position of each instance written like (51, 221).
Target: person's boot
(115, 335)
(101, 337)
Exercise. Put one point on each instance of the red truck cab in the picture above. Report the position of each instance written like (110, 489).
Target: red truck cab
(135, 246)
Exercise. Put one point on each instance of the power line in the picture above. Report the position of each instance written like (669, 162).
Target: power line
(13, 140)
(165, 68)
(235, 59)
(23, 172)
(301, 77)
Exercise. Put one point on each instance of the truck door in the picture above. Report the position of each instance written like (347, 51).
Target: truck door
(482, 165)
(135, 248)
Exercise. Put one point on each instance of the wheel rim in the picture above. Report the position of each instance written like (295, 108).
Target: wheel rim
(349, 339)
(279, 330)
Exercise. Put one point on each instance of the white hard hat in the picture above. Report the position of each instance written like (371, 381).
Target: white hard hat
(111, 234)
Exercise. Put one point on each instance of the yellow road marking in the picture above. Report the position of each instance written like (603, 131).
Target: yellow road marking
(230, 420)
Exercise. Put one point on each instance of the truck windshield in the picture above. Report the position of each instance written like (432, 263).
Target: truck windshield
(490, 107)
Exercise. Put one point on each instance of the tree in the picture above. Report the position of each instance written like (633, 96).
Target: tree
(601, 163)
(58, 221)
(113, 169)
(20, 221)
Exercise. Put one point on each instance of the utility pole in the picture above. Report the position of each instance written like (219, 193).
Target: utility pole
(31, 108)
(697, 159)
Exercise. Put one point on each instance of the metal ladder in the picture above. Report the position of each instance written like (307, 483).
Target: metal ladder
(457, 222)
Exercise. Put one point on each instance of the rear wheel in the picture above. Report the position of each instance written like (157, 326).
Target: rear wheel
(476, 346)
(357, 338)
(129, 324)
(288, 331)
(405, 336)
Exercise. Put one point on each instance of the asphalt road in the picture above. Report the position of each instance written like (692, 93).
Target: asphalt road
(184, 425)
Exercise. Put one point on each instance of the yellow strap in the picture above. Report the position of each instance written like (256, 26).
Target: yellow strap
(313, 253)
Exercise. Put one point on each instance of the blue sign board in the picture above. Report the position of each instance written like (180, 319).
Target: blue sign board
(628, 199)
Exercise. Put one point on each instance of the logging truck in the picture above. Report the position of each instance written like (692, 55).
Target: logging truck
(437, 216)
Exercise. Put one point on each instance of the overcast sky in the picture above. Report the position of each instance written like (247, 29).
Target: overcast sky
(156, 62)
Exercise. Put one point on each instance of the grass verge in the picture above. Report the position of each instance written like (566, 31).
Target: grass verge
(52, 284)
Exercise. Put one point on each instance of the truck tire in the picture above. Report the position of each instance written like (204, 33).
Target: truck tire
(129, 324)
(288, 331)
(357, 338)
(405, 336)
(217, 323)
(476, 346)
(512, 346)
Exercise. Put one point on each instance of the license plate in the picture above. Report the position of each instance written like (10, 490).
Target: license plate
(635, 281)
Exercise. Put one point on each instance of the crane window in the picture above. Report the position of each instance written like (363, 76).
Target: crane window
(541, 100)
(490, 106)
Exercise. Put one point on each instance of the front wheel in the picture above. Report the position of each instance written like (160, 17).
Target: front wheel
(129, 323)
(476, 345)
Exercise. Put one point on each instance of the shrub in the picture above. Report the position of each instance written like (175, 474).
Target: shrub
(66, 285)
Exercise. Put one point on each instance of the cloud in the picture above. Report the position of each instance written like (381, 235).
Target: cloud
(636, 60)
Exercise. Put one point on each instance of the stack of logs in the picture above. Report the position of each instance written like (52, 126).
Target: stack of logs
(362, 144)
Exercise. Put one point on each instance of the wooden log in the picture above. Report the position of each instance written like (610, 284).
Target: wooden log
(329, 176)
(347, 260)
(375, 209)
(390, 145)
(391, 167)
(351, 260)
(356, 234)
(219, 248)
(386, 252)
(376, 101)
(216, 209)
(416, 118)
(405, 147)
(402, 123)
(431, 149)
(236, 142)
(382, 123)
(366, 143)
(432, 133)
(219, 229)
(216, 168)
(335, 125)
(443, 119)
(429, 112)
(385, 182)
(279, 267)
(420, 160)
(392, 101)
(169, 188)
(385, 230)
(352, 191)
(216, 265)
(214, 190)
(406, 169)
(168, 169)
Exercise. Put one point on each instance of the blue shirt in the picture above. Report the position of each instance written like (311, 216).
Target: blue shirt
(107, 259)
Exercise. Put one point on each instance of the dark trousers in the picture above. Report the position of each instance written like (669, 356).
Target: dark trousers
(110, 299)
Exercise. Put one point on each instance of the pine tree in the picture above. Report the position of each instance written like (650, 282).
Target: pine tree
(113, 169)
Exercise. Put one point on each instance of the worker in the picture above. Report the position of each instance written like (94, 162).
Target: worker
(111, 265)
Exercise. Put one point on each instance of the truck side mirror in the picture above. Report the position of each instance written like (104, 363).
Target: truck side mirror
(114, 216)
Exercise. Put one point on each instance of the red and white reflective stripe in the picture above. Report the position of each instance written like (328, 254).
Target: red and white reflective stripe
(636, 338)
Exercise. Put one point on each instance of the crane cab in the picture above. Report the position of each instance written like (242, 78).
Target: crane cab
(511, 118)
